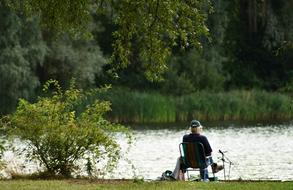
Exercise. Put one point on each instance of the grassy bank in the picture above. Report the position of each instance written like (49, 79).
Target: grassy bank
(88, 185)
(141, 107)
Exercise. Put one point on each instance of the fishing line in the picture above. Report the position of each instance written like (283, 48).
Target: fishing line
(224, 160)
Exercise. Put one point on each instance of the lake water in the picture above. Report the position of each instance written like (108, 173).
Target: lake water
(257, 152)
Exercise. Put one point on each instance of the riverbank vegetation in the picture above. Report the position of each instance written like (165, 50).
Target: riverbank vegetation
(59, 138)
(132, 185)
(236, 71)
(168, 61)
(146, 107)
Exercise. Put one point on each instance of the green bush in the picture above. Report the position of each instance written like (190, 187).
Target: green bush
(58, 137)
(2, 149)
(2, 143)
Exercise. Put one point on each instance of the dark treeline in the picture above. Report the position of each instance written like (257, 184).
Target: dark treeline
(249, 47)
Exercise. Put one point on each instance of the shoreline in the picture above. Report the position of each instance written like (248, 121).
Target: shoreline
(115, 181)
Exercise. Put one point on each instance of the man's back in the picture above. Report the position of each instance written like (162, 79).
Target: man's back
(201, 139)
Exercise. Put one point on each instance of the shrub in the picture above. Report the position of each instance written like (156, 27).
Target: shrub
(59, 137)
(1, 154)
(2, 144)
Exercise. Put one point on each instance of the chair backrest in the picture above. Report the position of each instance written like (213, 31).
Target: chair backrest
(193, 155)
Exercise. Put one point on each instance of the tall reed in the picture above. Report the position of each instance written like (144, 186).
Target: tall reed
(140, 107)
(150, 107)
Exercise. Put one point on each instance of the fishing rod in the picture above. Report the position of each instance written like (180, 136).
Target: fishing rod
(225, 159)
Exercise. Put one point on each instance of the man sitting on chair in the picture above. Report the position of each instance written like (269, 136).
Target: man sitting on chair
(195, 136)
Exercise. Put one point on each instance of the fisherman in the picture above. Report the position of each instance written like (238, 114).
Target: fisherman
(196, 136)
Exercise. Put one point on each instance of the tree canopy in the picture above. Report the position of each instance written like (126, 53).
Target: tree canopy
(150, 27)
(21, 50)
(249, 45)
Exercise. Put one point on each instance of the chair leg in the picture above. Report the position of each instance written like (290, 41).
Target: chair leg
(182, 175)
(213, 172)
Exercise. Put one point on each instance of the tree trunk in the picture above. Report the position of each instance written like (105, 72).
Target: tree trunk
(252, 16)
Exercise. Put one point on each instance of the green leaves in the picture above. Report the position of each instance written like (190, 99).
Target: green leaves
(68, 58)
(154, 27)
(58, 137)
(21, 49)
(147, 29)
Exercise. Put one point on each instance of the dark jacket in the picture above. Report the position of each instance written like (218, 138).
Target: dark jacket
(201, 139)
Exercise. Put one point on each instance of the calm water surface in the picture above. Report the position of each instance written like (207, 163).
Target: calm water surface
(257, 152)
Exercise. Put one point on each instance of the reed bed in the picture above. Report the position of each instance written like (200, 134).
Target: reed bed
(139, 107)
(151, 107)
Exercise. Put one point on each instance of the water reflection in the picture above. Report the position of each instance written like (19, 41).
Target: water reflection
(257, 152)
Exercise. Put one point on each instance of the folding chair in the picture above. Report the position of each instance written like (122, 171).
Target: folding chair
(193, 157)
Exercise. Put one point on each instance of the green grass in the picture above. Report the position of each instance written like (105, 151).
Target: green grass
(146, 107)
(235, 105)
(140, 107)
(88, 185)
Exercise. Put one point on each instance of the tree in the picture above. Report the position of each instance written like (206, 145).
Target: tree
(67, 58)
(21, 50)
(256, 31)
(193, 71)
(59, 135)
(154, 25)
(27, 60)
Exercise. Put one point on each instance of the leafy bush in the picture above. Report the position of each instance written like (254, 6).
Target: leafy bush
(1, 153)
(59, 137)
(2, 143)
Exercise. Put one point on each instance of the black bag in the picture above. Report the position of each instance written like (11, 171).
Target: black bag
(167, 175)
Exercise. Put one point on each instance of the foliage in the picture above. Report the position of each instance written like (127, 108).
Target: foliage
(255, 31)
(279, 29)
(152, 27)
(21, 50)
(58, 137)
(139, 107)
(27, 60)
(156, 26)
(68, 58)
(252, 105)
(188, 72)
(2, 149)
(192, 72)
(249, 41)
(72, 17)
